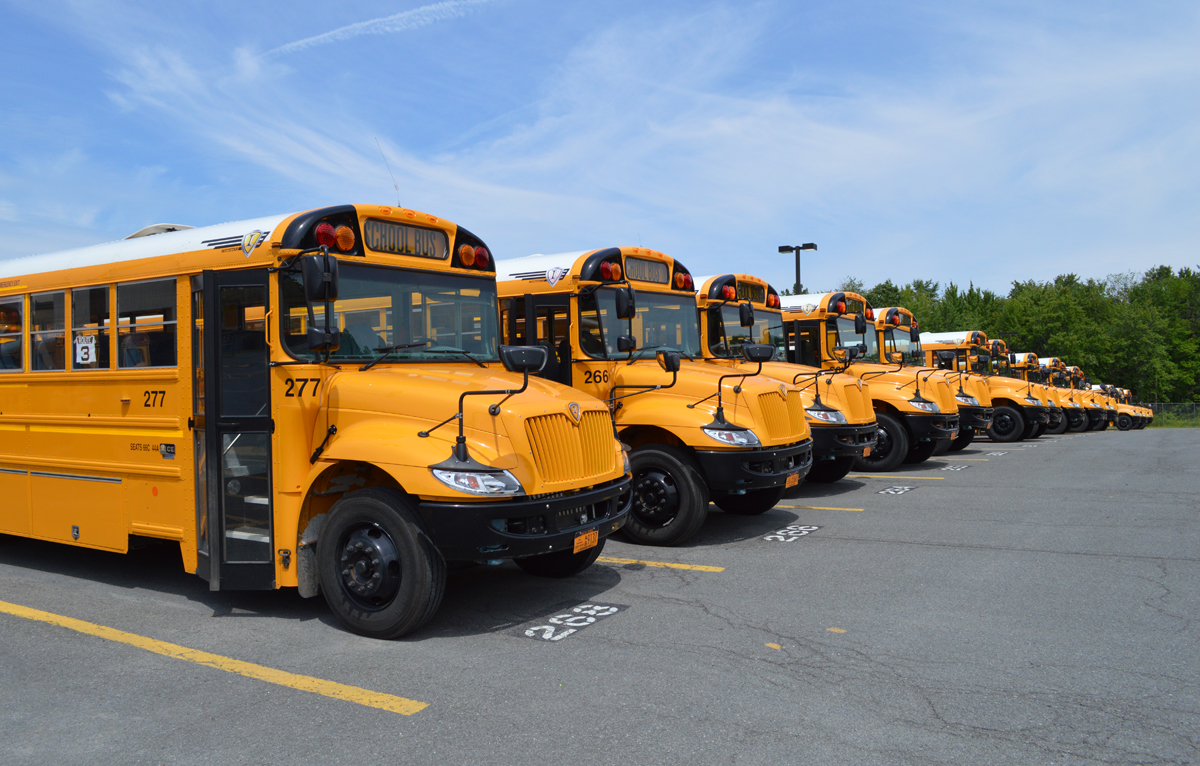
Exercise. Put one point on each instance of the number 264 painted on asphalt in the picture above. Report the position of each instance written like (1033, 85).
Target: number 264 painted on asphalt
(790, 534)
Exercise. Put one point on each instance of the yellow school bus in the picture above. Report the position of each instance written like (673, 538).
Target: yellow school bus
(621, 324)
(915, 411)
(1129, 415)
(1028, 367)
(837, 406)
(1016, 404)
(316, 400)
(1054, 376)
(1093, 406)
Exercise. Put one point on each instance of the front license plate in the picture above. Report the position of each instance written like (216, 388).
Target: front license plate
(585, 540)
(866, 451)
(792, 480)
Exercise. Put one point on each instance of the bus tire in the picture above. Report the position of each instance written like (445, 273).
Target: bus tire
(562, 563)
(829, 471)
(941, 446)
(920, 452)
(1030, 430)
(754, 502)
(1124, 422)
(891, 445)
(1079, 428)
(1008, 425)
(379, 572)
(1041, 429)
(965, 437)
(1061, 428)
(670, 499)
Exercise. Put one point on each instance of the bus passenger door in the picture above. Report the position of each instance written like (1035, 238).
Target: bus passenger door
(232, 430)
(545, 320)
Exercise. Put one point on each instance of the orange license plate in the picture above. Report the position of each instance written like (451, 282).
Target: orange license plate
(792, 480)
(585, 540)
(866, 452)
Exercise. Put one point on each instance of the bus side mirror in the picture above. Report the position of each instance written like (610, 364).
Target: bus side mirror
(914, 335)
(860, 325)
(945, 355)
(320, 340)
(758, 352)
(862, 350)
(523, 358)
(746, 315)
(896, 357)
(626, 343)
(626, 305)
(320, 277)
(668, 359)
(1012, 358)
(973, 359)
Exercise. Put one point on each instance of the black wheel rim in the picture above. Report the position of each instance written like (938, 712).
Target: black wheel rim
(369, 566)
(1004, 424)
(883, 446)
(655, 498)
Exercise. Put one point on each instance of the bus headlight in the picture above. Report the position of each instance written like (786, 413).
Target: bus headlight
(1032, 402)
(733, 438)
(927, 406)
(826, 416)
(625, 458)
(967, 400)
(479, 482)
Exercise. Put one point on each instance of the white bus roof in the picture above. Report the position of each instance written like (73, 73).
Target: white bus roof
(798, 302)
(532, 268)
(167, 243)
(956, 337)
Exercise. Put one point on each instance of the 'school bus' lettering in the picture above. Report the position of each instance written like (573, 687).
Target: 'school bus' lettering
(647, 271)
(391, 237)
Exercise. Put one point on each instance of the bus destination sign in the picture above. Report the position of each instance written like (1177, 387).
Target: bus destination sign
(645, 270)
(397, 238)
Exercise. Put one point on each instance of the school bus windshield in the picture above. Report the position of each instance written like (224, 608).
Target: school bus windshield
(726, 334)
(444, 315)
(900, 339)
(662, 321)
(841, 332)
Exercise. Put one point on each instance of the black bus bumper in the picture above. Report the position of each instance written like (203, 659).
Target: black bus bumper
(978, 418)
(511, 529)
(1056, 416)
(842, 441)
(1075, 416)
(732, 470)
(936, 426)
(1036, 414)
(1095, 416)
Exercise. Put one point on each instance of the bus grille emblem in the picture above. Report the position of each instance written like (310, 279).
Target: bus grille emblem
(573, 408)
(252, 240)
(783, 391)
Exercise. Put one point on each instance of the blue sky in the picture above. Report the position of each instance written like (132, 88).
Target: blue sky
(963, 141)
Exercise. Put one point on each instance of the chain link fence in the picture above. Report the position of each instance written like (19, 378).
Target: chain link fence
(1175, 415)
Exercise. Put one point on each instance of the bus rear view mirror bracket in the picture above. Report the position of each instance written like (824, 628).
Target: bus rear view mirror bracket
(669, 359)
(746, 314)
(896, 357)
(758, 352)
(626, 303)
(524, 359)
(319, 272)
(626, 343)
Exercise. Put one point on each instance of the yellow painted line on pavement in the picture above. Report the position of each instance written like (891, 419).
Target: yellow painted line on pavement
(818, 508)
(250, 670)
(666, 564)
(891, 476)
(976, 459)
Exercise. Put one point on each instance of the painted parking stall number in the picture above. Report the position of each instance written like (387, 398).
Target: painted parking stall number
(791, 533)
(895, 490)
(997, 454)
(955, 467)
(569, 623)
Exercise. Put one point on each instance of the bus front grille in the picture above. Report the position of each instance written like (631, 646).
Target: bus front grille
(795, 406)
(563, 451)
(775, 414)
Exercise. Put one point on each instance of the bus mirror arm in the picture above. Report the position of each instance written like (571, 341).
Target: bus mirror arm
(719, 416)
(460, 457)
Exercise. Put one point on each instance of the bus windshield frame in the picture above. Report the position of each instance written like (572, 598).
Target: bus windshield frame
(452, 315)
(900, 339)
(651, 327)
(726, 336)
(841, 330)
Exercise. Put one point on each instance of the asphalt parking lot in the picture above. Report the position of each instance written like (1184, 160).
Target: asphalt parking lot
(1033, 603)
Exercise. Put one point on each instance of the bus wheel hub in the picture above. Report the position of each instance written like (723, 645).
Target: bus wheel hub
(655, 498)
(370, 566)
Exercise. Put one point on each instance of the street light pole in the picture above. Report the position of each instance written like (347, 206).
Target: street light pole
(796, 249)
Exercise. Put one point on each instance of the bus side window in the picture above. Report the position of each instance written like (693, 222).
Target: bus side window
(47, 331)
(809, 347)
(146, 324)
(12, 330)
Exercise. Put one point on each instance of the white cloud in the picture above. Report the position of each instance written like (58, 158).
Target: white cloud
(399, 22)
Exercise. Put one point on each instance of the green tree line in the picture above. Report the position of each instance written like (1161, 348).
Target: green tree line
(1136, 332)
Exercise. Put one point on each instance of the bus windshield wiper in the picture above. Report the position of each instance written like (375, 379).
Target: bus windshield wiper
(453, 350)
(634, 356)
(386, 351)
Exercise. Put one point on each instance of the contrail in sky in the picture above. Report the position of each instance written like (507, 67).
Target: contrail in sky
(400, 22)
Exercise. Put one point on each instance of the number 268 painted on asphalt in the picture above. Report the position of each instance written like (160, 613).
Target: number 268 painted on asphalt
(791, 533)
